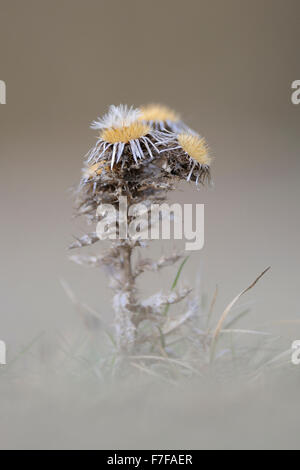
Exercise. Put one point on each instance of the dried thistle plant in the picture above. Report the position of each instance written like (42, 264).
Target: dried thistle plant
(141, 154)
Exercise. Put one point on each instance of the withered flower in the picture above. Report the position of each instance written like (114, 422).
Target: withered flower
(137, 155)
(121, 133)
(161, 117)
(186, 155)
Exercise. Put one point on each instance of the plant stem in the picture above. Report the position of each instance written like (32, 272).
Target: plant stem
(124, 302)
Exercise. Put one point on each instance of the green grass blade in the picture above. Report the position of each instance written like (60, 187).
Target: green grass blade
(176, 281)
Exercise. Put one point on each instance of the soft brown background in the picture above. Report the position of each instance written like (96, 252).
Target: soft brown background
(227, 66)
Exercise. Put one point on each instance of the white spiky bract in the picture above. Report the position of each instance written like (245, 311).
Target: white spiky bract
(117, 117)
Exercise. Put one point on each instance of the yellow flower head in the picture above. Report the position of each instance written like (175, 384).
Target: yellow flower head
(158, 112)
(122, 132)
(195, 147)
(162, 118)
(125, 134)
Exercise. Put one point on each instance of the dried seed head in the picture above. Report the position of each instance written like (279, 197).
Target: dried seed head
(123, 134)
(132, 158)
(158, 112)
(161, 117)
(195, 147)
(185, 155)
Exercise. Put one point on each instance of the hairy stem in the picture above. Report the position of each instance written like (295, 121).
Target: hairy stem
(125, 302)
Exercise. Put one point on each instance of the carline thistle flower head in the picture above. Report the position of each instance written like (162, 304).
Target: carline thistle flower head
(187, 156)
(122, 133)
(135, 138)
(162, 118)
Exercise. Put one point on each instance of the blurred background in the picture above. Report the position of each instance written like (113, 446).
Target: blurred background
(226, 66)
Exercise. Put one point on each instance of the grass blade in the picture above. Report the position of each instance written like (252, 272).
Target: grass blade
(228, 309)
(176, 281)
